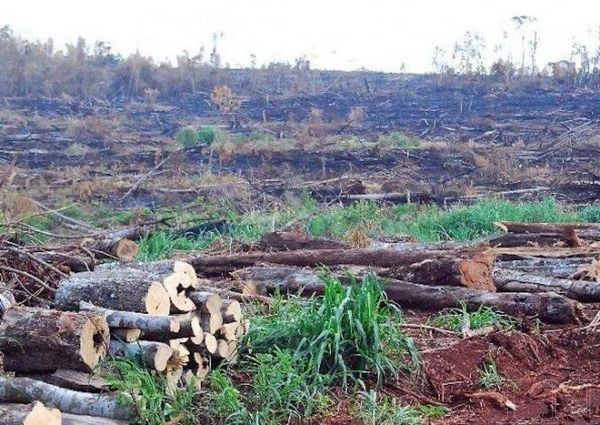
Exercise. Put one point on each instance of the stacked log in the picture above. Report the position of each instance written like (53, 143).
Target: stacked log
(158, 313)
(165, 316)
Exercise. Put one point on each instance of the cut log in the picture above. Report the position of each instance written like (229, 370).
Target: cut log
(231, 311)
(175, 276)
(42, 340)
(128, 290)
(462, 268)
(70, 419)
(211, 322)
(26, 390)
(200, 366)
(190, 326)
(548, 307)
(7, 299)
(233, 351)
(554, 228)
(288, 241)
(209, 344)
(29, 414)
(173, 377)
(153, 354)
(517, 281)
(116, 248)
(125, 334)
(73, 380)
(510, 240)
(222, 351)
(230, 331)
(206, 302)
(149, 324)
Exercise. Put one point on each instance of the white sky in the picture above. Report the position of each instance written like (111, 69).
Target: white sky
(334, 34)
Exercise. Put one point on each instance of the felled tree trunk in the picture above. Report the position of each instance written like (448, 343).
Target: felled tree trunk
(72, 380)
(26, 390)
(29, 414)
(126, 290)
(176, 277)
(7, 299)
(462, 268)
(517, 281)
(40, 340)
(126, 319)
(289, 241)
(548, 307)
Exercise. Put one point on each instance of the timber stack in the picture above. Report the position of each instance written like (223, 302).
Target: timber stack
(159, 314)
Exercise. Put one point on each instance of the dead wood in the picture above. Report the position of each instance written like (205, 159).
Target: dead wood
(128, 290)
(27, 390)
(73, 380)
(149, 324)
(462, 268)
(115, 248)
(41, 340)
(29, 414)
(289, 241)
(125, 334)
(518, 281)
(70, 419)
(153, 354)
(548, 307)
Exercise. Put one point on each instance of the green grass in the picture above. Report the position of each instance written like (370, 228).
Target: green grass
(373, 408)
(399, 140)
(428, 224)
(297, 350)
(457, 319)
(188, 136)
(154, 401)
(489, 377)
(350, 332)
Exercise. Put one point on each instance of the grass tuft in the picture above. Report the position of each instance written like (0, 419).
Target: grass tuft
(457, 319)
(489, 377)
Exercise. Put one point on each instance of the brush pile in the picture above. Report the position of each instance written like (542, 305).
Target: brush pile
(158, 313)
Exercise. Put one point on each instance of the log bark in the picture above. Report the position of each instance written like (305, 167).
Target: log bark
(462, 268)
(153, 354)
(125, 334)
(73, 380)
(128, 290)
(517, 281)
(289, 241)
(70, 419)
(41, 340)
(548, 307)
(29, 414)
(148, 324)
(26, 390)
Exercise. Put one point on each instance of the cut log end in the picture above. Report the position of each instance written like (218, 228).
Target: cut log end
(94, 340)
(157, 300)
(126, 249)
(29, 414)
(476, 271)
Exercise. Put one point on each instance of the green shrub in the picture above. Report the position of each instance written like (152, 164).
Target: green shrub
(590, 214)
(187, 137)
(400, 140)
(206, 135)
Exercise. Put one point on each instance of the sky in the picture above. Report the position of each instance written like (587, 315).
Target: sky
(382, 35)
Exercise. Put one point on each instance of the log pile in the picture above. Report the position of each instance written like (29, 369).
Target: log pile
(159, 314)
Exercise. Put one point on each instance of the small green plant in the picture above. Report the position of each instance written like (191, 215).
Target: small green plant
(155, 402)
(489, 377)
(457, 319)
(187, 137)
(375, 409)
(206, 135)
(223, 401)
(590, 214)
